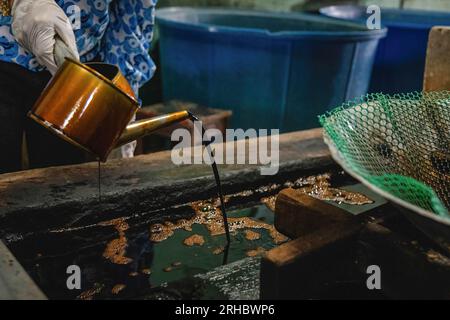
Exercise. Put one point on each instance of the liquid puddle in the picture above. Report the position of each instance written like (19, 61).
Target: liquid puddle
(270, 202)
(167, 269)
(256, 252)
(251, 235)
(210, 216)
(91, 293)
(116, 249)
(218, 250)
(146, 271)
(117, 288)
(320, 188)
(194, 240)
(137, 246)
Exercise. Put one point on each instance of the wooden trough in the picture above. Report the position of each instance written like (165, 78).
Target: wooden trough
(65, 197)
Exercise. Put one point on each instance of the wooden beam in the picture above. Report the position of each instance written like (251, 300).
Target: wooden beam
(437, 66)
(15, 283)
(58, 197)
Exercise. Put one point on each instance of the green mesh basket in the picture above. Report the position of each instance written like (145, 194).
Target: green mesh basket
(397, 145)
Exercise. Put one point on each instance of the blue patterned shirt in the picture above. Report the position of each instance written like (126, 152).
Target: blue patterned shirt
(115, 31)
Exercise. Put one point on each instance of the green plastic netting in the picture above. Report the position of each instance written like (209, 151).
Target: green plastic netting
(399, 144)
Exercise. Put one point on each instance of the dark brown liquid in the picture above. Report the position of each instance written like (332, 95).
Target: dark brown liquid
(99, 182)
(219, 190)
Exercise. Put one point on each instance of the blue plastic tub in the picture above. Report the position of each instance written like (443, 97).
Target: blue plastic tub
(400, 59)
(272, 70)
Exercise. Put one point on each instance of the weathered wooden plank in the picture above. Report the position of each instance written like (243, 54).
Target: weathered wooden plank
(63, 196)
(237, 281)
(437, 66)
(15, 283)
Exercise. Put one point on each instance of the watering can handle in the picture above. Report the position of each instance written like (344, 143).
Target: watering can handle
(61, 51)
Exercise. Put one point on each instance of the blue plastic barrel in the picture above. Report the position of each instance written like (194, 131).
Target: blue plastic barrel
(400, 59)
(273, 70)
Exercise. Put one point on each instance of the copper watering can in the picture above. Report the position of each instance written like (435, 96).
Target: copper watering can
(91, 105)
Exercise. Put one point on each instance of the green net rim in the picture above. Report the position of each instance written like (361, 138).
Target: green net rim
(439, 213)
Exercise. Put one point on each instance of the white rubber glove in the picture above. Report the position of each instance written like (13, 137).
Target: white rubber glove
(37, 24)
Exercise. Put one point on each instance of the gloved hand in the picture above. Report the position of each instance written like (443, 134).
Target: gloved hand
(36, 24)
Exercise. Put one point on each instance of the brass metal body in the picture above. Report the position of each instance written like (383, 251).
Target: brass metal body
(90, 106)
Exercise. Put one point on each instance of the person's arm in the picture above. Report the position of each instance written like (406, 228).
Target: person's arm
(37, 24)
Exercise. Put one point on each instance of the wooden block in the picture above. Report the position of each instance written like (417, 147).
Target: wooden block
(302, 267)
(298, 214)
(324, 234)
(437, 66)
(295, 249)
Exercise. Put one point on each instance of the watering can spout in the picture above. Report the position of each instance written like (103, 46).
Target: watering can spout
(139, 129)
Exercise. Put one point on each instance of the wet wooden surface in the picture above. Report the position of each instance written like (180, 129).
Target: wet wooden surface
(237, 281)
(15, 284)
(37, 200)
(51, 197)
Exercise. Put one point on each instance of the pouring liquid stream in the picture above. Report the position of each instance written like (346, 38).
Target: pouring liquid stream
(207, 145)
(99, 169)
